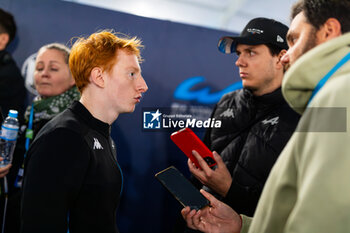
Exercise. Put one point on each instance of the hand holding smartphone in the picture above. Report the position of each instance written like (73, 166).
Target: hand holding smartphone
(181, 188)
(188, 141)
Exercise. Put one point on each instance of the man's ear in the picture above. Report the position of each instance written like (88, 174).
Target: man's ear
(4, 39)
(279, 60)
(330, 30)
(97, 77)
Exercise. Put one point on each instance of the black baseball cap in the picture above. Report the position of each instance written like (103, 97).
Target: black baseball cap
(258, 31)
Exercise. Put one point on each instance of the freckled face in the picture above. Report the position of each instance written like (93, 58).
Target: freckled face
(124, 83)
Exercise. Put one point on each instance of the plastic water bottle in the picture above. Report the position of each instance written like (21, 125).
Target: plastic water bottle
(9, 132)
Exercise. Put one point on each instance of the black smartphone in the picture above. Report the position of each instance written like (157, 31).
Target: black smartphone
(181, 188)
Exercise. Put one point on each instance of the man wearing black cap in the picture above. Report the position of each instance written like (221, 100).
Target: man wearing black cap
(256, 120)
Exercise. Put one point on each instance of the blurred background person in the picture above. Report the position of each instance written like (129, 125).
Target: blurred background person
(12, 90)
(56, 91)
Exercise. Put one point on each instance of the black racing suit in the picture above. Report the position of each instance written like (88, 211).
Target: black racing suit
(72, 179)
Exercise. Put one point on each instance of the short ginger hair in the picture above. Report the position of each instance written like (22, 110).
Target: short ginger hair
(99, 50)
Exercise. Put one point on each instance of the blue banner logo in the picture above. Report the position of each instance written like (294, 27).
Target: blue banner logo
(203, 96)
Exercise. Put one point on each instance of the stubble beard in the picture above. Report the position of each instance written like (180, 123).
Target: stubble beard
(309, 44)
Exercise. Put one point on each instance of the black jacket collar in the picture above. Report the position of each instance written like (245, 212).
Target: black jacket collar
(271, 98)
(100, 126)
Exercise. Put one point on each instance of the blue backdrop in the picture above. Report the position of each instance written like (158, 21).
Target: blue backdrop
(182, 67)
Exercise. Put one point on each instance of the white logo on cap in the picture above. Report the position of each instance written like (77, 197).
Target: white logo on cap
(254, 30)
(279, 39)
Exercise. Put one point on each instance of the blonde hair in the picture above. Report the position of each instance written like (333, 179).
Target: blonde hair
(59, 47)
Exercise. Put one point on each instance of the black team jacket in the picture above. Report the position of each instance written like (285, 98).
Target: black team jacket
(72, 179)
(254, 131)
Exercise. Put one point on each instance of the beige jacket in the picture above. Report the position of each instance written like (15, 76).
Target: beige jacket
(308, 190)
